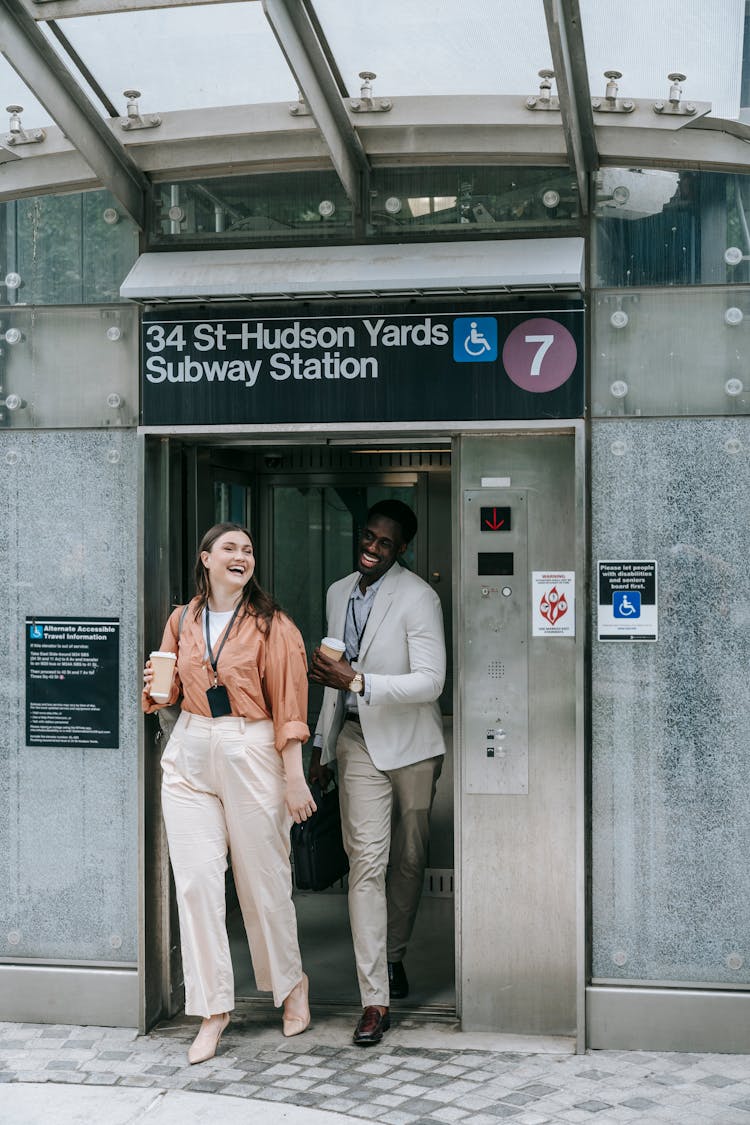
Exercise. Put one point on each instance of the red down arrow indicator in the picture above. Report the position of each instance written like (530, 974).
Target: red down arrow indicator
(495, 519)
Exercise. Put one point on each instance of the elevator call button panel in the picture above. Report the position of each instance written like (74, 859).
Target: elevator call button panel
(495, 601)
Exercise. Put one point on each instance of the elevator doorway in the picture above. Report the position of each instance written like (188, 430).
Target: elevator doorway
(305, 506)
(501, 518)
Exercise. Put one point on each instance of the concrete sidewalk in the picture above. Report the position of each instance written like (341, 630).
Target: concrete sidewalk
(29, 1104)
(421, 1074)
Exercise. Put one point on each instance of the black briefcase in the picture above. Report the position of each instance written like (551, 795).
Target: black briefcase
(317, 848)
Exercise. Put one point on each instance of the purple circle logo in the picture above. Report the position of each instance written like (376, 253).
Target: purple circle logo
(540, 355)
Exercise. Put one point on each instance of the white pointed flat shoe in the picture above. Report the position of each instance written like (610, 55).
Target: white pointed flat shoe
(207, 1040)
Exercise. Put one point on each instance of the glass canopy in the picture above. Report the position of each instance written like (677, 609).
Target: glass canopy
(195, 54)
(646, 42)
(184, 58)
(438, 46)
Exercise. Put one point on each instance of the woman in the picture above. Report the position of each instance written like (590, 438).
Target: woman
(232, 777)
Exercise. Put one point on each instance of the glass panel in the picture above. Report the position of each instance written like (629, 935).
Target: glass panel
(69, 816)
(671, 351)
(671, 767)
(307, 206)
(315, 532)
(69, 367)
(66, 249)
(232, 503)
(438, 46)
(658, 227)
(457, 201)
(14, 91)
(646, 44)
(184, 58)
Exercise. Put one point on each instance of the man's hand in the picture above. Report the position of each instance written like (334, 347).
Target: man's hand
(331, 673)
(317, 771)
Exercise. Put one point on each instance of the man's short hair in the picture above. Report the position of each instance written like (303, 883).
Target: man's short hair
(400, 513)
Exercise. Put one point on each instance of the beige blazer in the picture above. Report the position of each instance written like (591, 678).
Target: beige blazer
(403, 656)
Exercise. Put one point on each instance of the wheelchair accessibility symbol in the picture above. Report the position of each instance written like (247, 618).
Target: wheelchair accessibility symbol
(36, 632)
(626, 603)
(475, 339)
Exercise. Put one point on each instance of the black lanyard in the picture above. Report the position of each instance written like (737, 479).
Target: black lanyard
(359, 633)
(215, 659)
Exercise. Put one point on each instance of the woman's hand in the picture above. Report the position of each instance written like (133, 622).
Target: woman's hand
(299, 799)
(148, 676)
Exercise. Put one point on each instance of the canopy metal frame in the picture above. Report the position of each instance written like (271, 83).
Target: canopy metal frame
(89, 150)
(34, 60)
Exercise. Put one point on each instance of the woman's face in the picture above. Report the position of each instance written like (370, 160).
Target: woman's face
(230, 562)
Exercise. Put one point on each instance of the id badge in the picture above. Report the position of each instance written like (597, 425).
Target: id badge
(218, 701)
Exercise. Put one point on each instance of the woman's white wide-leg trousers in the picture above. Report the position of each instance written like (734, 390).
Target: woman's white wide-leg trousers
(223, 789)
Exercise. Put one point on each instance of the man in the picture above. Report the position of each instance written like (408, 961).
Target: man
(380, 719)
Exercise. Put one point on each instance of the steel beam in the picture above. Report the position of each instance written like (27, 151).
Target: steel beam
(36, 63)
(70, 9)
(307, 60)
(569, 62)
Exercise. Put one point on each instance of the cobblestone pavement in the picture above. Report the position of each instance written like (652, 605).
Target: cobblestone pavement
(445, 1076)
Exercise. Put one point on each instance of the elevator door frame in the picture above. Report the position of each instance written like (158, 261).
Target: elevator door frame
(161, 545)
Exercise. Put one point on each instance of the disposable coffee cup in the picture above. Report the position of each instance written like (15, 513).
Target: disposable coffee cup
(333, 648)
(162, 665)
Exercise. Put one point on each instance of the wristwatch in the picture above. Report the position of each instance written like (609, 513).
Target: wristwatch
(357, 684)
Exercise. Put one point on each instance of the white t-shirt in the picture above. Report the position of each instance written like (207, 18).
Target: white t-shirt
(217, 623)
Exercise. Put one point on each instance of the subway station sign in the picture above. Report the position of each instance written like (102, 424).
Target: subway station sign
(220, 367)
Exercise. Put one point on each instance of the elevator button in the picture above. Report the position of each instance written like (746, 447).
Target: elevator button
(506, 591)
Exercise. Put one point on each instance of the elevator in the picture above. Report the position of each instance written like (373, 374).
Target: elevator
(498, 942)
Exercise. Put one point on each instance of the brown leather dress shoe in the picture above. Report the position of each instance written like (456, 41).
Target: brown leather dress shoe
(371, 1027)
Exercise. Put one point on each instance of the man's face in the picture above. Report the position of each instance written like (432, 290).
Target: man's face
(380, 544)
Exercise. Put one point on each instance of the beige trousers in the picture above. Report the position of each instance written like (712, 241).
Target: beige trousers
(382, 814)
(223, 787)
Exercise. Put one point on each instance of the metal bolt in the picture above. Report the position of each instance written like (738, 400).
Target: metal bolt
(675, 90)
(658, 107)
(545, 86)
(611, 90)
(689, 107)
(531, 101)
(628, 105)
(367, 76)
(132, 103)
(596, 103)
(15, 120)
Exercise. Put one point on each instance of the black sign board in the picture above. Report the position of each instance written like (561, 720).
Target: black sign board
(218, 366)
(628, 600)
(72, 682)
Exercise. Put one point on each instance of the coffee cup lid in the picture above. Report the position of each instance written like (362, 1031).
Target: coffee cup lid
(168, 655)
(334, 643)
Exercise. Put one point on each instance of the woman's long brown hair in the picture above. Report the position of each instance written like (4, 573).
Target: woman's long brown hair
(255, 601)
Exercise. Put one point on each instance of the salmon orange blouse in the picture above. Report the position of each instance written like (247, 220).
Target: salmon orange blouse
(265, 674)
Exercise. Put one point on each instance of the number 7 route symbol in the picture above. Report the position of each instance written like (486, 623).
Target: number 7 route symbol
(545, 343)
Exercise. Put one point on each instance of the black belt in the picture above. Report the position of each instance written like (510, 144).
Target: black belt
(353, 717)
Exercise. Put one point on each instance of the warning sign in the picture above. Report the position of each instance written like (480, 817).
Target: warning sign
(553, 603)
(628, 601)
